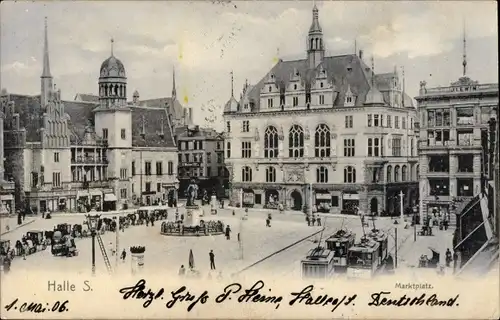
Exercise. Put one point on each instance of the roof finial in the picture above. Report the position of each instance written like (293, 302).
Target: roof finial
(46, 65)
(464, 62)
(174, 91)
(112, 44)
(232, 84)
(355, 46)
(403, 76)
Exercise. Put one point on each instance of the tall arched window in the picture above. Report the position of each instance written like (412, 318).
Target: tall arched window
(389, 173)
(271, 142)
(349, 174)
(246, 174)
(403, 173)
(396, 174)
(296, 142)
(322, 175)
(270, 174)
(322, 141)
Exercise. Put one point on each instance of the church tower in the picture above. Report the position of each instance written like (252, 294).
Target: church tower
(46, 78)
(315, 45)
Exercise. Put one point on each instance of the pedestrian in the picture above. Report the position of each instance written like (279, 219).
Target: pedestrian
(449, 258)
(228, 233)
(308, 221)
(212, 260)
(147, 221)
(25, 250)
(268, 222)
(445, 224)
(234, 213)
(182, 271)
(124, 255)
(182, 217)
(318, 220)
(239, 239)
(177, 215)
(455, 260)
(222, 204)
(313, 220)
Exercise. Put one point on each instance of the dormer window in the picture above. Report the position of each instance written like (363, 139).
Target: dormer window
(321, 84)
(272, 76)
(295, 87)
(270, 89)
(296, 73)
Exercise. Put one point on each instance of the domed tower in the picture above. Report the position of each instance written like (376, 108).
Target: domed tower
(315, 45)
(112, 82)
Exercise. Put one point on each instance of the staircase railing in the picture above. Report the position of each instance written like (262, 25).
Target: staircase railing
(104, 253)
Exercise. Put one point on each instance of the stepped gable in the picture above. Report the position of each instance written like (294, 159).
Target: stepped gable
(30, 115)
(383, 83)
(80, 114)
(176, 107)
(147, 125)
(336, 68)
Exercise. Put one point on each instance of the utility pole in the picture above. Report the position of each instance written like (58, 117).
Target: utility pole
(396, 247)
(401, 195)
(117, 247)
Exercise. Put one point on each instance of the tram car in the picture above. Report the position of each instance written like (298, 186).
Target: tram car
(363, 259)
(64, 228)
(37, 237)
(318, 264)
(381, 237)
(63, 245)
(339, 243)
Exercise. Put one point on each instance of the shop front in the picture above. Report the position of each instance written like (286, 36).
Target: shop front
(7, 203)
(350, 203)
(109, 203)
(323, 201)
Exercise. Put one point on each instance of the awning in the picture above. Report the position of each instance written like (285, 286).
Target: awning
(6, 197)
(96, 193)
(110, 197)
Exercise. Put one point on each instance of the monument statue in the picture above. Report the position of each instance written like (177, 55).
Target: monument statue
(192, 192)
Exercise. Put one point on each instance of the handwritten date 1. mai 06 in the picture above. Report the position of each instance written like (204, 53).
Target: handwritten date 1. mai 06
(37, 307)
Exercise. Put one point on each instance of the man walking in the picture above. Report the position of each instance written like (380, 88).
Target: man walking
(212, 260)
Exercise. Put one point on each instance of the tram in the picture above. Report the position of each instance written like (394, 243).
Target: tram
(363, 259)
(318, 264)
(339, 243)
(381, 237)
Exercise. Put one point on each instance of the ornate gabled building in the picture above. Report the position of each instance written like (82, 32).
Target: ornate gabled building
(74, 155)
(323, 131)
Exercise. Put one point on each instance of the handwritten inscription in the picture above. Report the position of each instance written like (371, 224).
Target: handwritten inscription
(383, 298)
(138, 292)
(37, 307)
(250, 295)
(307, 298)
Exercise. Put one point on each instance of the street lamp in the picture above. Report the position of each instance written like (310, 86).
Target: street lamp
(176, 186)
(92, 221)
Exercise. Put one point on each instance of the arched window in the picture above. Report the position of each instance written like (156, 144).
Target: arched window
(396, 174)
(312, 40)
(296, 142)
(246, 174)
(349, 174)
(322, 175)
(417, 173)
(389, 173)
(403, 173)
(270, 174)
(271, 142)
(322, 141)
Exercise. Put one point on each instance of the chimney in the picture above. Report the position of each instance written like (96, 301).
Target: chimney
(361, 54)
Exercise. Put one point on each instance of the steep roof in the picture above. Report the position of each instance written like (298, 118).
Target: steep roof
(86, 97)
(342, 70)
(176, 108)
(80, 116)
(147, 126)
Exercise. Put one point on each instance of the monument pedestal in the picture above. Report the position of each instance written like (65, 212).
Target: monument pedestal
(193, 214)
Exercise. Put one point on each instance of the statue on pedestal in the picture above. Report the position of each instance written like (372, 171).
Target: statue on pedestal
(192, 192)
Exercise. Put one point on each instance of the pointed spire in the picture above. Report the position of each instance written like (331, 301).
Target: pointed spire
(46, 65)
(373, 70)
(403, 95)
(174, 91)
(464, 62)
(112, 44)
(315, 27)
(232, 84)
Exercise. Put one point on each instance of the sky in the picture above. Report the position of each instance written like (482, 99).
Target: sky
(205, 40)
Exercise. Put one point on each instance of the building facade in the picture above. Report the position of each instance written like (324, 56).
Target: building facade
(77, 155)
(201, 157)
(7, 204)
(325, 132)
(454, 157)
